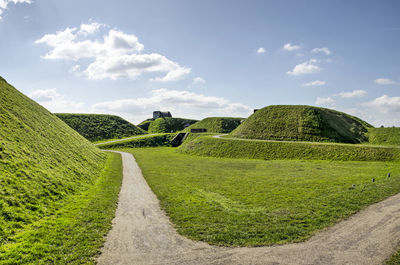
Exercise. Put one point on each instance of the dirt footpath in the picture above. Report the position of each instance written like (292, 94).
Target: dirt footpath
(143, 234)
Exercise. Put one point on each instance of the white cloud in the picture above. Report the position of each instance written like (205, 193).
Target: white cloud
(198, 81)
(385, 104)
(315, 83)
(175, 74)
(43, 95)
(325, 101)
(75, 68)
(261, 50)
(66, 45)
(353, 94)
(54, 101)
(308, 67)
(4, 4)
(384, 110)
(180, 103)
(87, 29)
(133, 65)
(323, 50)
(117, 55)
(384, 81)
(290, 47)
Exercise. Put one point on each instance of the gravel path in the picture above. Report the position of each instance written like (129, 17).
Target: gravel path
(143, 234)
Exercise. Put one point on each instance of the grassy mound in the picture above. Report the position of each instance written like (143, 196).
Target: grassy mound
(145, 124)
(302, 123)
(43, 162)
(385, 136)
(216, 124)
(96, 127)
(270, 150)
(162, 139)
(169, 125)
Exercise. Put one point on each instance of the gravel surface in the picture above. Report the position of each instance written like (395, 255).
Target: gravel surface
(143, 234)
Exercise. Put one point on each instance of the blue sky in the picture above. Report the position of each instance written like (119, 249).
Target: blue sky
(204, 58)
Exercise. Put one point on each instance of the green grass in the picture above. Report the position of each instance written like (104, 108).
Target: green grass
(76, 231)
(125, 138)
(145, 124)
(161, 139)
(269, 150)
(384, 136)
(43, 162)
(216, 124)
(96, 127)
(192, 136)
(243, 202)
(394, 260)
(302, 123)
(168, 125)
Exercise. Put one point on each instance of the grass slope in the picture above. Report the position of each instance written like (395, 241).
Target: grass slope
(145, 124)
(169, 125)
(162, 139)
(243, 202)
(216, 124)
(42, 163)
(74, 233)
(96, 127)
(261, 149)
(302, 123)
(384, 136)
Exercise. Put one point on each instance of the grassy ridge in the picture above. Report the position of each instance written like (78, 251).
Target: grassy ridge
(145, 124)
(162, 139)
(216, 124)
(96, 127)
(244, 202)
(269, 150)
(75, 232)
(191, 136)
(302, 123)
(384, 136)
(168, 125)
(42, 162)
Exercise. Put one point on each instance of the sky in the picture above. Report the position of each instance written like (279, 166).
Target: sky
(208, 58)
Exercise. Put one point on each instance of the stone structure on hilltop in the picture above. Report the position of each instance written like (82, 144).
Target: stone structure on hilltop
(159, 114)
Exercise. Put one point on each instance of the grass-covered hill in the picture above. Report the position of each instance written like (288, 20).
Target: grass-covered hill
(96, 127)
(272, 150)
(168, 125)
(384, 136)
(152, 140)
(43, 163)
(145, 124)
(303, 123)
(216, 124)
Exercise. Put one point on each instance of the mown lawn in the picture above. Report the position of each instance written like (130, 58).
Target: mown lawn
(75, 233)
(247, 202)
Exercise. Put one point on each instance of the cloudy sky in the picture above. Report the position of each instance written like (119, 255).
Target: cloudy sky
(204, 58)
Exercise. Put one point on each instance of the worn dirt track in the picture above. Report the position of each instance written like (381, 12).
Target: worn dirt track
(142, 234)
